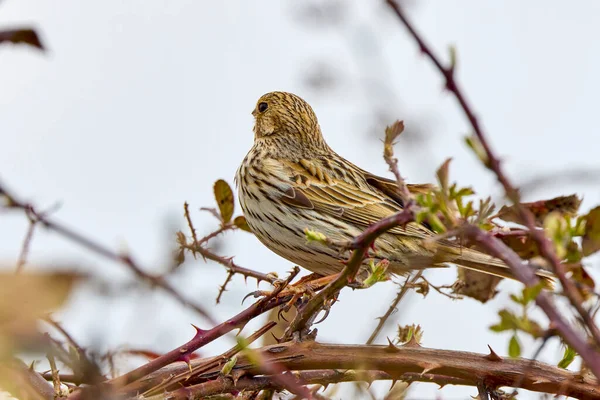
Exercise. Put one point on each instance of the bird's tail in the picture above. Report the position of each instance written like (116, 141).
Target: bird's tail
(498, 268)
(477, 261)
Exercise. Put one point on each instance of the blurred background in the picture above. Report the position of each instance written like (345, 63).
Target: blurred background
(138, 106)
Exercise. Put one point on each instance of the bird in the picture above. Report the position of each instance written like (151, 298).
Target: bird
(291, 180)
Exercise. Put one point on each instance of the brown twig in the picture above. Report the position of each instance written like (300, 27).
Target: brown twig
(25, 246)
(440, 291)
(188, 218)
(409, 362)
(319, 377)
(223, 287)
(54, 373)
(76, 237)
(391, 133)
(87, 370)
(197, 246)
(66, 334)
(493, 163)
(482, 391)
(383, 319)
(280, 375)
(23, 382)
(75, 379)
(228, 263)
(201, 338)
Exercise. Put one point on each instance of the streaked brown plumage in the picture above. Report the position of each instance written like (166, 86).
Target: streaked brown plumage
(291, 180)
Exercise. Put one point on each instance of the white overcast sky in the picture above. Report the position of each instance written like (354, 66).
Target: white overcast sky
(139, 106)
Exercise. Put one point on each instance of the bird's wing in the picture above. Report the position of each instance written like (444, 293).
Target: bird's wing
(345, 195)
(390, 187)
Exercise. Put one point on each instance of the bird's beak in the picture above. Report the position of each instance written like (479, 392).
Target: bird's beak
(254, 112)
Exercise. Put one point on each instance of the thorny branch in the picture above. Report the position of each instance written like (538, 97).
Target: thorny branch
(28, 382)
(410, 362)
(162, 384)
(339, 363)
(26, 243)
(13, 202)
(546, 250)
(202, 337)
(198, 246)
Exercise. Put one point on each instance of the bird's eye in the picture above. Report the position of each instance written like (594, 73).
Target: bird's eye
(262, 107)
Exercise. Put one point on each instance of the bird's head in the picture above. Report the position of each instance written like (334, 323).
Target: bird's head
(286, 118)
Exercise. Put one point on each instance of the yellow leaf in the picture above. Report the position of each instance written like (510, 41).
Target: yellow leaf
(590, 242)
(240, 222)
(224, 197)
(23, 299)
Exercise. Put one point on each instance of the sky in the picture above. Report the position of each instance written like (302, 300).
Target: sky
(138, 106)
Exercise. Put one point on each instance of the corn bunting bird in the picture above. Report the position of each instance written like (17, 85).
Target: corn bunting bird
(291, 180)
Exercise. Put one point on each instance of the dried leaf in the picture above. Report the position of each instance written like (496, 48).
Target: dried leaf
(566, 205)
(224, 197)
(477, 285)
(16, 36)
(406, 333)
(586, 282)
(391, 134)
(442, 175)
(23, 299)
(241, 223)
(524, 245)
(590, 242)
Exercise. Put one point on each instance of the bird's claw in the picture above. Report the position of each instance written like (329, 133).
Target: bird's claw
(256, 294)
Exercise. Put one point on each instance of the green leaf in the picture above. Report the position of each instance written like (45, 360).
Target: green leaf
(224, 198)
(226, 370)
(475, 144)
(436, 224)
(453, 56)
(314, 236)
(556, 229)
(514, 348)
(590, 242)
(508, 321)
(241, 223)
(517, 299)
(466, 191)
(378, 273)
(407, 332)
(530, 293)
(568, 358)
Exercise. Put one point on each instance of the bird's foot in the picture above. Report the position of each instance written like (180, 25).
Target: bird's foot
(300, 291)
